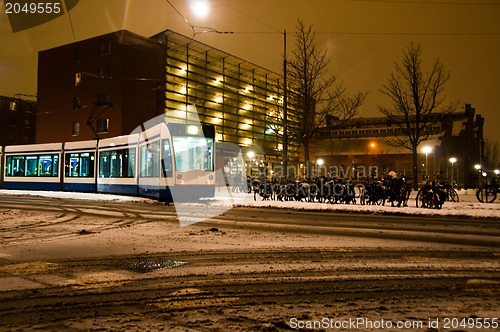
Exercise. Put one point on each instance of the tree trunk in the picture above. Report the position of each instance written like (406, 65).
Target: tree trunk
(415, 167)
(306, 158)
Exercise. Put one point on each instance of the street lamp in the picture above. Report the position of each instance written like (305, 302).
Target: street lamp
(200, 8)
(320, 163)
(426, 150)
(250, 156)
(372, 146)
(453, 160)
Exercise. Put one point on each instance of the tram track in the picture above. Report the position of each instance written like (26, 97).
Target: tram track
(55, 219)
(483, 232)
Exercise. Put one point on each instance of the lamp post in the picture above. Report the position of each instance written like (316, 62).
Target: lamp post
(453, 160)
(250, 156)
(320, 163)
(426, 150)
(478, 169)
(372, 173)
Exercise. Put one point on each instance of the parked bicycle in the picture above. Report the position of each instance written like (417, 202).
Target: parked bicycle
(431, 196)
(488, 193)
(452, 193)
(391, 188)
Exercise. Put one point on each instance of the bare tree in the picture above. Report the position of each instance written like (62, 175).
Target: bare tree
(314, 93)
(416, 96)
(491, 154)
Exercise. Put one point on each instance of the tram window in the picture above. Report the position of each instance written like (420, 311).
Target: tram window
(86, 165)
(150, 159)
(193, 153)
(72, 166)
(79, 165)
(104, 158)
(117, 164)
(48, 165)
(166, 159)
(15, 166)
(131, 163)
(31, 166)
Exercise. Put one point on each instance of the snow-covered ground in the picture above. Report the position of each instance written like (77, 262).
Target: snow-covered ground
(467, 207)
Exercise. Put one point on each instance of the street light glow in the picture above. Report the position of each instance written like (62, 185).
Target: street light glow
(250, 154)
(477, 166)
(320, 162)
(426, 149)
(200, 8)
(453, 160)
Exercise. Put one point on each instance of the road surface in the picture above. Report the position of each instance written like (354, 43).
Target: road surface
(85, 265)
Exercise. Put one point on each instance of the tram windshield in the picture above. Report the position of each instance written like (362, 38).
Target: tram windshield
(193, 153)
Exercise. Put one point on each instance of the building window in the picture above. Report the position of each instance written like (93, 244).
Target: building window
(102, 126)
(102, 99)
(78, 54)
(76, 128)
(13, 122)
(27, 123)
(76, 103)
(104, 73)
(105, 47)
(78, 79)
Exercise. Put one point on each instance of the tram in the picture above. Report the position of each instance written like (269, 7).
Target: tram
(167, 162)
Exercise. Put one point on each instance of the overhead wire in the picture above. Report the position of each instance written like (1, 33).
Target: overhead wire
(70, 21)
(430, 2)
(194, 27)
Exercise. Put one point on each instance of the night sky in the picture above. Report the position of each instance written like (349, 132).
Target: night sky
(363, 39)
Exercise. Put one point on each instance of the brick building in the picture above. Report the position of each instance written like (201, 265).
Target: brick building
(100, 87)
(17, 120)
(364, 144)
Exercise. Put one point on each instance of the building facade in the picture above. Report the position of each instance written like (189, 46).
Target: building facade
(242, 100)
(97, 88)
(363, 147)
(17, 120)
(108, 85)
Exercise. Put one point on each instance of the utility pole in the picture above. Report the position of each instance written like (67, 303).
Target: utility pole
(285, 111)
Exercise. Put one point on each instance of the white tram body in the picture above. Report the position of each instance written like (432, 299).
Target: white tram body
(117, 166)
(32, 167)
(166, 162)
(79, 166)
